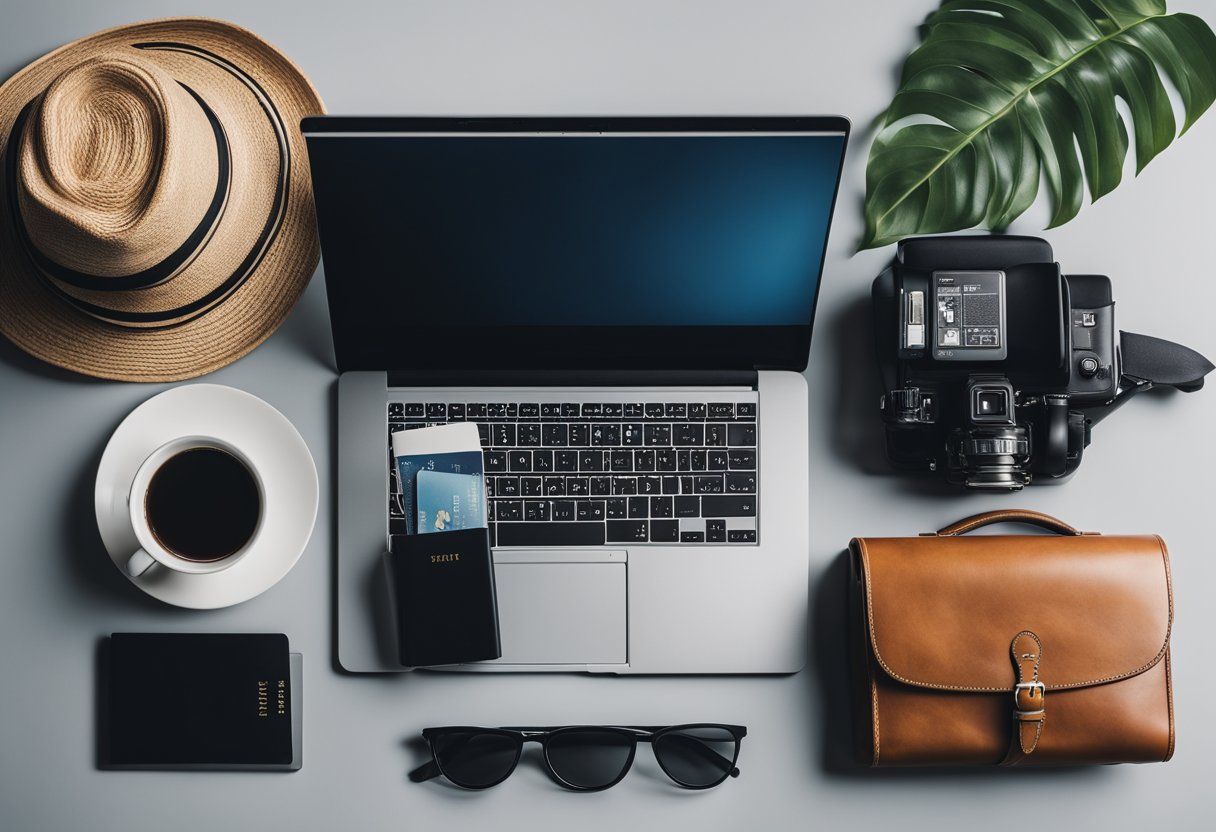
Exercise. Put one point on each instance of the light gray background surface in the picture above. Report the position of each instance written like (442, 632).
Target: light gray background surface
(1148, 470)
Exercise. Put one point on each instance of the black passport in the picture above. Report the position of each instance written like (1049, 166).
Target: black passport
(200, 701)
(443, 588)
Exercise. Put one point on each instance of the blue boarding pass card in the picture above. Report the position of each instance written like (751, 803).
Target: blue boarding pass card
(452, 449)
(450, 502)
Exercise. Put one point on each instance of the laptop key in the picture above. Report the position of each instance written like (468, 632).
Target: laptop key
(716, 460)
(613, 410)
(592, 409)
(512, 410)
(627, 531)
(436, 410)
(509, 509)
(519, 461)
(686, 484)
(565, 461)
(569, 410)
(496, 410)
(650, 485)
(531, 486)
(743, 483)
(643, 460)
(746, 410)
(716, 435)
(654, 410)
(665, 459)
(591, 461)
(728, 505)
(591, 510)
(740, 460)
(659, 434)
(621, 460)
(550, 534)
(556, 434)
(696, 410)
(475, 411)
(529, 410)
(483, 431)
(692, 537)
(676, 411)
(711, 484)
(720, 410)
(616, 508)
(605, 435)
(687, 506)
(554, 486)
(456, 412)
(741, 536)
(715, 531)
(671, 485)
(664, 531)
(689, 436)
(601, 486)
(502, 436)
(415, 410)
(634, 410)
(542, 461)
(699, 461)
(396, 411)
(506, 487)
(624, 485)
(563, 510)
(495, 462)
(580, 435)
(536, 510)
(552, 410)
(742, 435)
(577, 487)
(660, 507)
(528, 436)
(631, 435)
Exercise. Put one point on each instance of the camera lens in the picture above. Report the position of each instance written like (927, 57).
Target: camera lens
(990, 457)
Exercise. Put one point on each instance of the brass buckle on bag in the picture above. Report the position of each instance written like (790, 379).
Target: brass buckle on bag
(1037, 690)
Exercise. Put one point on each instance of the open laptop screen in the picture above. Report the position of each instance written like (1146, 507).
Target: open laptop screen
(546, 247)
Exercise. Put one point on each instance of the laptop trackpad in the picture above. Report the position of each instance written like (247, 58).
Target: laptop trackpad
(561, 607)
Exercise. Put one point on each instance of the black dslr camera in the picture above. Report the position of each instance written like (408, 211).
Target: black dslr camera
(996, 366)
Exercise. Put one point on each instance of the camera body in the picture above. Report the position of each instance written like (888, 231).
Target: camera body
(996, 365)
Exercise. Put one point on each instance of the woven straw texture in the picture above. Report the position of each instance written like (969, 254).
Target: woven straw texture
(117, 166)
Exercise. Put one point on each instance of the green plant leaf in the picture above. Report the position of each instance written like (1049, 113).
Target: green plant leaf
(1004, 93)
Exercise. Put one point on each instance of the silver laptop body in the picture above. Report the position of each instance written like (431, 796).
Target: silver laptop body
(649, 508)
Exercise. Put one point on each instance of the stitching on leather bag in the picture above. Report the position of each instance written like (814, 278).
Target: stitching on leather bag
(1169, 685)
(861, 546)
(984, 689)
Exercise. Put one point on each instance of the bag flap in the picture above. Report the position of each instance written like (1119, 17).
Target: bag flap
(943, 611)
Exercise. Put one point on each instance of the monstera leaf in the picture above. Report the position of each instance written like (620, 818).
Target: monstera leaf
(1001, 93)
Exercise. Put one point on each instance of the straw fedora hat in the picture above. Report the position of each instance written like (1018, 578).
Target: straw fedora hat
(156, 215)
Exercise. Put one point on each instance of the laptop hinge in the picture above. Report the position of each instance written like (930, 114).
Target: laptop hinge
(573, 378)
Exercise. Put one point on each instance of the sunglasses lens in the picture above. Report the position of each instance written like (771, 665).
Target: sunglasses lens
(589, 759)
(697, 757)
(475, 760)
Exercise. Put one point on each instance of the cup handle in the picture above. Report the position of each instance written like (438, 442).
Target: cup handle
(139, 563)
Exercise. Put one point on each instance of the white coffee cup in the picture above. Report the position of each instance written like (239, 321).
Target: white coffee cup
(151, 550)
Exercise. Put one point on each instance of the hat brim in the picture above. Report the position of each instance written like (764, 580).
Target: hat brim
(43, 324)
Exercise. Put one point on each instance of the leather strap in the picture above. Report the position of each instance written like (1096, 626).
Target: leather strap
(1029, 713)
(1034, 518)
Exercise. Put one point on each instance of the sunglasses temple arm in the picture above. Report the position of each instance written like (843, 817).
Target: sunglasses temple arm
(426, 771)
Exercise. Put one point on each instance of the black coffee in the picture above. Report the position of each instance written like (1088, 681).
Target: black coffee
(203, 504)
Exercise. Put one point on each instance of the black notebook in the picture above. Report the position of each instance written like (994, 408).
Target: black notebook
(201, 701)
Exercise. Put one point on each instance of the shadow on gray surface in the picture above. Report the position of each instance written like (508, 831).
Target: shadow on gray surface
(307, 328)
(830, 645)
(857, 431)
(88, 569)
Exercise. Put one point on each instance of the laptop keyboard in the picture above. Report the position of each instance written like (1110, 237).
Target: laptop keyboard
(604, 472)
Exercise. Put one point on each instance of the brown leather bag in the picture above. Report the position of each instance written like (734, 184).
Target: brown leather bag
(1011, 650)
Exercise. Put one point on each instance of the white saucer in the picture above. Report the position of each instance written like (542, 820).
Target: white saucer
(273, 446)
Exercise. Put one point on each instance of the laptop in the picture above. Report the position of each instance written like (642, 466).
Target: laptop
(623, 306)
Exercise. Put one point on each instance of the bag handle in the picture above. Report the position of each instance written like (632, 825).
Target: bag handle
(1034, 518)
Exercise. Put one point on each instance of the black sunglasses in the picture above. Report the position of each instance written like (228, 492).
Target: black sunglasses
(584, 758)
